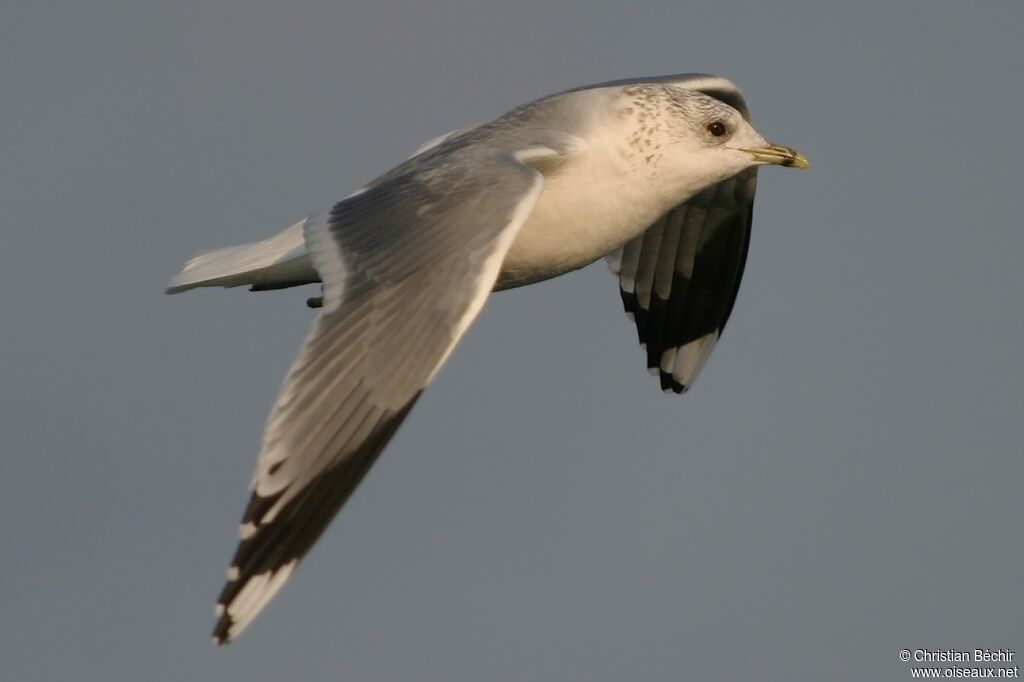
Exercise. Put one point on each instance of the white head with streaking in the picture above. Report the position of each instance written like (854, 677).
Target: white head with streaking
(712, 140)
(656, 175)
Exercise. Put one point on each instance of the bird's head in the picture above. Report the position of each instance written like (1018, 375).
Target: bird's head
(712, 140)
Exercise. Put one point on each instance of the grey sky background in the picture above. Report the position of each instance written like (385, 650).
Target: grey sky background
(844, 481)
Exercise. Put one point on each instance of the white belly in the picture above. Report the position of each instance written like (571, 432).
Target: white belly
(583, 214)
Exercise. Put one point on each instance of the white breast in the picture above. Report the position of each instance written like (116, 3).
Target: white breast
(605, 195)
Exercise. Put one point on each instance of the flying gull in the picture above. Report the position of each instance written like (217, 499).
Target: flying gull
(656, 175)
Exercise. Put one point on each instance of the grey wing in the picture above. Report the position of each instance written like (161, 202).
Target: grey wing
(406, 266)
(679, 279)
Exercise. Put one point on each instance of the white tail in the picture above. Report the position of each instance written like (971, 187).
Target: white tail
(274, 263)
(281, 260)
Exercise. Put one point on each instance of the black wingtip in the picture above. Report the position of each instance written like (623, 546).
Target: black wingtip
(221, 630)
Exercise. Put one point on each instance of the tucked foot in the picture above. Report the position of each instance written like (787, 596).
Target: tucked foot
(315, 302)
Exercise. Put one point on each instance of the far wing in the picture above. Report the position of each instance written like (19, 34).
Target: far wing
(406, 265)
(679, 279)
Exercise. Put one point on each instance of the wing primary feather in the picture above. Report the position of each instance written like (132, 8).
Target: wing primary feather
(299, 525)
(679, 280)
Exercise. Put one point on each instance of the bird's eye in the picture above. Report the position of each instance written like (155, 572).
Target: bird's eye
(717, 128)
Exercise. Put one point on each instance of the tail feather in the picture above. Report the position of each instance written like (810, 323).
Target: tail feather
(280, 261)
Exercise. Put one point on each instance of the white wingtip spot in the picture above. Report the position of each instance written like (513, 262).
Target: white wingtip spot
(218, 610)
(691, 358)
(667, 358)
(247, 530)
(258, 590)
(233, 574)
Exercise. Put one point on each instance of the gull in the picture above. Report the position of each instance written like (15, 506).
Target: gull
(656, 175)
